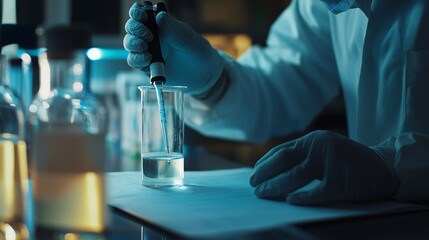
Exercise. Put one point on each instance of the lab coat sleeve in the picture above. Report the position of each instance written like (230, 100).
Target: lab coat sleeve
(276, 89)
(408, 151)
(408, 156)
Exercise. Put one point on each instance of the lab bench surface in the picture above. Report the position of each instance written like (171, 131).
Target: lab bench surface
(413, 225)
(410, 225)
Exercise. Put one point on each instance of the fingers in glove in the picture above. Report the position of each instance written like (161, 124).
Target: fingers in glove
(134, 44)
(280, 161)
(138, 61)
(272, 151)
(137, 13)
(316, 196)
(284, 183)
(138, 29)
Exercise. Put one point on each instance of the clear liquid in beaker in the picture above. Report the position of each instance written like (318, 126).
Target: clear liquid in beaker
(161, 170)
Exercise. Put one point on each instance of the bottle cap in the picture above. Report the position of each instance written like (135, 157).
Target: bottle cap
(64, 39)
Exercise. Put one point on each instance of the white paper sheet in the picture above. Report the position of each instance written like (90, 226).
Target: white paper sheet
(222, 202)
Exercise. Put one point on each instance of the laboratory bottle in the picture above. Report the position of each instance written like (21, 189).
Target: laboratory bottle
(13, 161)
(68, 127)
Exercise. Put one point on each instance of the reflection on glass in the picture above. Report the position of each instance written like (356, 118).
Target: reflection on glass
(7, 232)
(50, 234)
(14, 231)
(149, 234)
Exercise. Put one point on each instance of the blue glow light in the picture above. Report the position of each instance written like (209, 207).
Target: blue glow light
(94, 53)
(106, 54)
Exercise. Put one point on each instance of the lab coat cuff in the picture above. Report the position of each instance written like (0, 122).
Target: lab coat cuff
(388, 154)
(215, 92)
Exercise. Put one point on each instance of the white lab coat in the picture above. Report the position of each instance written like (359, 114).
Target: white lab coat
(311, 54)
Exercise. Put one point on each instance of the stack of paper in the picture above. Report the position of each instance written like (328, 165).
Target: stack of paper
(222, 202)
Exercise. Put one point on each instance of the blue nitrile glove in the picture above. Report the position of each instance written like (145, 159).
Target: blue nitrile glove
(339, 6)
(349, 171)
(189, 58)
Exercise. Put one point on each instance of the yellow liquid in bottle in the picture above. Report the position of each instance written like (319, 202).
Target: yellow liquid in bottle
(13, 187)
(72, 201)
(69, 181)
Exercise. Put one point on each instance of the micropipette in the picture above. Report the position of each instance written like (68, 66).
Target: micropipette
(157, 75)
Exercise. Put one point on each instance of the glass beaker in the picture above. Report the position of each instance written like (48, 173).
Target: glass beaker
(162, 166)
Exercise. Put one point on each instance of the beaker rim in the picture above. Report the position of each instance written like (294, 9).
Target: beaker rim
(164, 87)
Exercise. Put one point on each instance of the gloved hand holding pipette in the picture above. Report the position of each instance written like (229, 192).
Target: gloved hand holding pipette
(189, 58)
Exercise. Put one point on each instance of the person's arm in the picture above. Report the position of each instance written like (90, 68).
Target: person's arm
(276, 89)
(395, 168)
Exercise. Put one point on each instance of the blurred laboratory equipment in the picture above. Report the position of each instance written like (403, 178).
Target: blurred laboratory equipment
(105, 91)
(13, 161)
(68, 127)
(12, 112)
(22, 71)
(161, 167)
(19, 83)
(127, 83)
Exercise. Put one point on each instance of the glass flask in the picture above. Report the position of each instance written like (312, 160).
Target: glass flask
(68, 127)
(13, 161)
